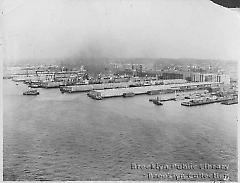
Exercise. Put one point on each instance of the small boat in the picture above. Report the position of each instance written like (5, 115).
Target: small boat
(31, 92)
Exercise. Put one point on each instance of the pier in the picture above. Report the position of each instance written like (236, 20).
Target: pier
(90, 87)
(119, 92)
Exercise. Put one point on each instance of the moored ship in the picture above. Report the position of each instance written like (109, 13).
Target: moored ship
(196, 102)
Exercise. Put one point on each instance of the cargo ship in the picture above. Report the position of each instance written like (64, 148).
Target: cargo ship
(31, 92)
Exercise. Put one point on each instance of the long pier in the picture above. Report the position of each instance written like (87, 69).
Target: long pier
(118, 92)
(90, 87)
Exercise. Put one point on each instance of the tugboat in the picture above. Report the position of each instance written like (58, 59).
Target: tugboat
(157, 101)
(31, 92)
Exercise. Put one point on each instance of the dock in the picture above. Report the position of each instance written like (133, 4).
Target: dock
(119, 92)
(90, 87)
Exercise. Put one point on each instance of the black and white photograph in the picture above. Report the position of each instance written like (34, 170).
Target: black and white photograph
(119, 90)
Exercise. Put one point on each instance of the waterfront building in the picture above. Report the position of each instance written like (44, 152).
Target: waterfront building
(223, 78)
(210, 77)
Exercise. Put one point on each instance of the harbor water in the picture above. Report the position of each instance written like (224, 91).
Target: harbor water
(55, 136)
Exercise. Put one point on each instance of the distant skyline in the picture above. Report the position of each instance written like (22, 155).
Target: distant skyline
(41, 29)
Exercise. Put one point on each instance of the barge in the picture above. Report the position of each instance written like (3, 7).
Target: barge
(204, 101)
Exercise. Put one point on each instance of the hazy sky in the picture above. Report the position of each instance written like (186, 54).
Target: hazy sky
(119, 28)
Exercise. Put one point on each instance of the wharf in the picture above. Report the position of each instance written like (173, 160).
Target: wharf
(90, 87)
(118, 92)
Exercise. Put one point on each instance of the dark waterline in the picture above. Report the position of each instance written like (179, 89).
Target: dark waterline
(57, 136)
